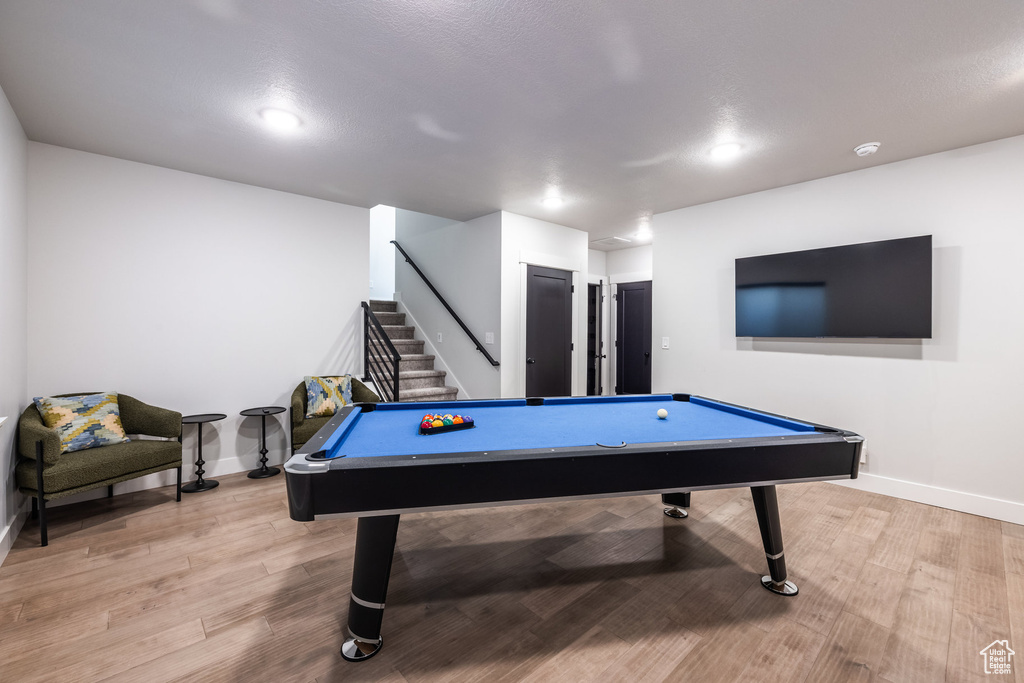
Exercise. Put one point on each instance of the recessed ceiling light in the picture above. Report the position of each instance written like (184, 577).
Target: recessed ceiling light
(644, 231)
(867, 148)
(553, 202)
(280, 120)
(726, 151)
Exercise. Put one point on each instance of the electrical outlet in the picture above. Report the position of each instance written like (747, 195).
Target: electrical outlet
(488, 337)
(438, 337)
(864, 452)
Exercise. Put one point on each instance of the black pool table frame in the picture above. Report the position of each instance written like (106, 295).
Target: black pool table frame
(379, 489)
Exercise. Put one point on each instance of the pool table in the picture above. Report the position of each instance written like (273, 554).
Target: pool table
(370, 461)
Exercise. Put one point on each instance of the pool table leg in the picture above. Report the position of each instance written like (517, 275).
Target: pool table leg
(371, 569)
(678, 501)
(766, 504)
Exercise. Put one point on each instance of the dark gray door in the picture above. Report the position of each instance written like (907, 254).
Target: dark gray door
(633, 338)
(548, 332)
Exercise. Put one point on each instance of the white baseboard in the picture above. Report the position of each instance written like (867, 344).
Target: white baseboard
(11, 531)
(971, 503)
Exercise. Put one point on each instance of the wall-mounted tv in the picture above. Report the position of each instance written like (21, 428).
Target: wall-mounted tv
(876, 289)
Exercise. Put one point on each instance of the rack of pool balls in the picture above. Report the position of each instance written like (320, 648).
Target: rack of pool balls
(436, 424)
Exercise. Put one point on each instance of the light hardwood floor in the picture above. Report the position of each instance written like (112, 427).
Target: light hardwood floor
(225, 587)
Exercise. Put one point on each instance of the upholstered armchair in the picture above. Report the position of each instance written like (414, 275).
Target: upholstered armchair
(45, 473)
(302, 428)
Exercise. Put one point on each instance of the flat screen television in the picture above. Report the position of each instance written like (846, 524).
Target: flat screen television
(876, 289)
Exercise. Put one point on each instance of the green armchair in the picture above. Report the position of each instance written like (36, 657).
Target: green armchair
(302, 428)
(44, 473)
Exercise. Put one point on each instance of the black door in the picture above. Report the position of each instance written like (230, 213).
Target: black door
(548, 332)
(595, 345)
(633, 338)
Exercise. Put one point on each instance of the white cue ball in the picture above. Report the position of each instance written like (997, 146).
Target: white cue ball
(662, 413)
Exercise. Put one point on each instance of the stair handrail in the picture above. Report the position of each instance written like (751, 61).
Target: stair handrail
(380, 363)
(476, 342)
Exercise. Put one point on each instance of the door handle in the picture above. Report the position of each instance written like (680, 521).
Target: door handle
(530, 361)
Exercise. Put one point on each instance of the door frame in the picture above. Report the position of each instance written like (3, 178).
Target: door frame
(545, 289)
(531, 258)
(607, 332)
(613, 282)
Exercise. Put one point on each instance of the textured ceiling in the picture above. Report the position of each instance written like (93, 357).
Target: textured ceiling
(460, 108)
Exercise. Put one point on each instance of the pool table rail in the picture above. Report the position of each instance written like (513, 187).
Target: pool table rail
(356, 487)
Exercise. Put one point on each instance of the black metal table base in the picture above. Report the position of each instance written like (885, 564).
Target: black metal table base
(766, 505)
(679, 503)
(264, 472)
(371, 570)
(201, 485)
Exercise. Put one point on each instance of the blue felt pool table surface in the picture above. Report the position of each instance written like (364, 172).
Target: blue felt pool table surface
(393, 429)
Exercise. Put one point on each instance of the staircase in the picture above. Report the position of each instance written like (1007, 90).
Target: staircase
(417, 378)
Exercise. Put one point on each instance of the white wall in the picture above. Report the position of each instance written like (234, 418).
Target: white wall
(938, 415)
(188, 292)
(530, 241)
(597, 264)
(631, 265)
(382, 252)
(462, 260)
(13, 335)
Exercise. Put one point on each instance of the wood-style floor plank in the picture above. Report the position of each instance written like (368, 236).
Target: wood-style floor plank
(829, 586)
(877, 594)
(1013, 554)
(895, 549)
(1015, 606)
(583, 659)
(919, 639)
(980, 613)
(721, 655)
(10, 611)
(223, 586)
(852, 651)
(202, 656)
(786, 656)
(652, 658)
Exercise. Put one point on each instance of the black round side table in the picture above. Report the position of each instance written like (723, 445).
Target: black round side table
(201, 484)
(262, 472)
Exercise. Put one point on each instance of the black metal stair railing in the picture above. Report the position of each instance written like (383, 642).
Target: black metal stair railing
(476, 342)
(380, 357)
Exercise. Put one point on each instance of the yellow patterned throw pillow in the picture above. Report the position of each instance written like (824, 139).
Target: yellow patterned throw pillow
(327, 395)
(86, 421)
